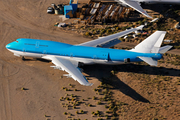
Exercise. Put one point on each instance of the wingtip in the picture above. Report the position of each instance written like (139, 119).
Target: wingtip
(89, 84)
(140, 27)
(148, 16)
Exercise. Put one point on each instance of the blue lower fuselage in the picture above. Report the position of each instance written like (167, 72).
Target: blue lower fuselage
(84, 54)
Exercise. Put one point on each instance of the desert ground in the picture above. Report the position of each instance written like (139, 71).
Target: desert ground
(31, 90)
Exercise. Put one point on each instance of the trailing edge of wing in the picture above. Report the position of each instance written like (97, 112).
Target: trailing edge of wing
(69, 67)
(110, 43)
(149, 61)
(113, 37)
(136, 6)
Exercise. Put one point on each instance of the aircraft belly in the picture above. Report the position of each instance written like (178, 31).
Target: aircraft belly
(96, 61)
(78, 59)
(26, 54)
(35, 55)
(84, 60)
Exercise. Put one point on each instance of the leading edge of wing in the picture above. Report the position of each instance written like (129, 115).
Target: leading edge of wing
(103, 40)
(136, 6)
(70, 68)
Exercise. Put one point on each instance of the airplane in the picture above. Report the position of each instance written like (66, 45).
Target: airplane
(136, 4)
(68, 57)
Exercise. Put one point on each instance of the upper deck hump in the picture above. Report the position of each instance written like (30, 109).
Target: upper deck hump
(43, 42)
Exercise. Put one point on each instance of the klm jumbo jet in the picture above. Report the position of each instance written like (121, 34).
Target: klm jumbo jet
(67, 57)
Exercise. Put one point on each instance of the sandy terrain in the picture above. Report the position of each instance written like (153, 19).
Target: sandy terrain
(28, 19)
(40, 100)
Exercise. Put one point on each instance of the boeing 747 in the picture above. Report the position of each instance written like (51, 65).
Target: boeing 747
(67, 57)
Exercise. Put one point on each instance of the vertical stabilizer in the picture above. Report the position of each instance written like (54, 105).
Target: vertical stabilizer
(151, 44)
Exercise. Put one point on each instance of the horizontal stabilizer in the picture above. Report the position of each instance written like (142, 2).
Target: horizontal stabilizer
(164, 49)
(149, 61)
(136, 6)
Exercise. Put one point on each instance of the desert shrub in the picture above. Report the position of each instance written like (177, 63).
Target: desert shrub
(82, 111)
(87, 34)
(99, 103)
(94, 97)
(77, 112)
(89, 105)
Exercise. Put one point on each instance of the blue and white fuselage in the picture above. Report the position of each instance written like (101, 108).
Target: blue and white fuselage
(84, 54)
(68, 57)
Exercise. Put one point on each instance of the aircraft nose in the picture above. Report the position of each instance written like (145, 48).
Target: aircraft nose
(8, 45)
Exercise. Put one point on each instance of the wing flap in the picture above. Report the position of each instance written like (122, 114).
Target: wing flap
(110, 43)
(69, 67)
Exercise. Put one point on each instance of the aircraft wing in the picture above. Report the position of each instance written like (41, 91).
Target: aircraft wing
(110, 40)
(136, 6)
(68, 66)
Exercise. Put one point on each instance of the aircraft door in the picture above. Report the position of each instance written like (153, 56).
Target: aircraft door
(104, 56)
(37, 44)
(101, 56)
